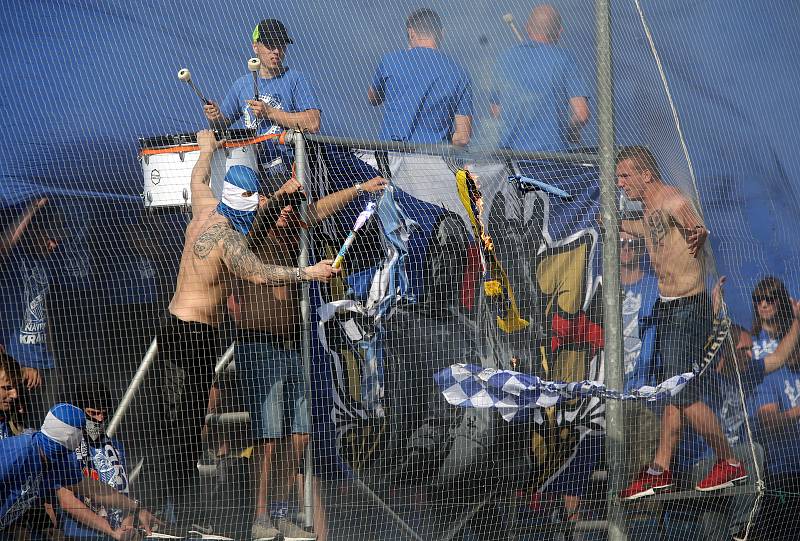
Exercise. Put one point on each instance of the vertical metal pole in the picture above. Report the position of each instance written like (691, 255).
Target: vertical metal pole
(300, 169)
(612, 302)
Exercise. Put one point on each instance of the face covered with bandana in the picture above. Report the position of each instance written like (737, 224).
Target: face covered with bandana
(95, 423)
(240, 198)
(62, 429)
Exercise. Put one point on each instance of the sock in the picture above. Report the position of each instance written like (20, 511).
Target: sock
(655, 470)
(279, 509)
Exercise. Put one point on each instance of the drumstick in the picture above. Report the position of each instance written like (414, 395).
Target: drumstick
(508, 18)
(254, 64)
(186, 77)
(365, 215)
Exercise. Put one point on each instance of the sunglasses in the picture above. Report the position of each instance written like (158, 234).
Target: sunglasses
(769, 299)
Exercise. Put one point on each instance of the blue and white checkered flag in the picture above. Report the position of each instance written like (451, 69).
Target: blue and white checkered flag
(510, 392)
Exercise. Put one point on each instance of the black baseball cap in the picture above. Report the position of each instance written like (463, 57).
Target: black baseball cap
(271, 31)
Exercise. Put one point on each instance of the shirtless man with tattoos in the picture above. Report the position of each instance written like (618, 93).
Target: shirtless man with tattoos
(215, 252)
(674, 235)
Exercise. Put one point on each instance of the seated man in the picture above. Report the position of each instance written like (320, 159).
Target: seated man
(34, 466)
(102, 458)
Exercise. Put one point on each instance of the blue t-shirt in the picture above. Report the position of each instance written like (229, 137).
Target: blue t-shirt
(5, 430)
(533, 83)
(638, 302)
(25, 290)
(291, 92)
(764, 345)
(423, 89)
(25, 480)
(104, 462)
(781, 388)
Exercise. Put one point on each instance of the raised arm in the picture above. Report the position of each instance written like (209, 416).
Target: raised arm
(787, 345)
(243, 263)
(14, 231)
(202, 196)
(333, 203)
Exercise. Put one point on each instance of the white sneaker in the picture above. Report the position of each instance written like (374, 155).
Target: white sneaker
(263, 530)
(293, 532)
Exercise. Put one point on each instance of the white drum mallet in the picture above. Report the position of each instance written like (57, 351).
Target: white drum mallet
(186, 77)
(508, 18)
(254, 65)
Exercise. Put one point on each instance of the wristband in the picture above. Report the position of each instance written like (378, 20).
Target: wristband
(359, 188)
(298, 274)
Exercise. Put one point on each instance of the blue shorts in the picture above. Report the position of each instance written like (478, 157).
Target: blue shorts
(272, 382)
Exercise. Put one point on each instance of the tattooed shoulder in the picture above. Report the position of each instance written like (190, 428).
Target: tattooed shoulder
(208, 240)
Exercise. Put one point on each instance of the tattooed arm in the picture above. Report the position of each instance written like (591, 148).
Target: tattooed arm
(202, 196)
(244, 264)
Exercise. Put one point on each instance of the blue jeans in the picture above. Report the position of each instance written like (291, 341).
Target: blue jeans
(274, 386)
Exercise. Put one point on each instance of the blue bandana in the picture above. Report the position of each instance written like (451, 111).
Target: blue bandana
(240, 210)
(62, 430)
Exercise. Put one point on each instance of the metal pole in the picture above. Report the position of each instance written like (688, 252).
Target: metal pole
(612, 302)
(300, 168)
(132, 389)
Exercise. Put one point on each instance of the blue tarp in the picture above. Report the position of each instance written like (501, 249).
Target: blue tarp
(82, 81)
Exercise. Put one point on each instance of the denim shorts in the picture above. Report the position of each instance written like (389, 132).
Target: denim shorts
(682, 329)
(271, 378)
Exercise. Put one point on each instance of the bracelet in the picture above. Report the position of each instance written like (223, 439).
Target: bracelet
(297, 274)
(359, 188)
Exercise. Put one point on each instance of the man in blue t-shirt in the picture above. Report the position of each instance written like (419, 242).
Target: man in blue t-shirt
(25, 256)
(101, 458)
(539, 94)
(34, 466)
(286, 98)
(426, 96)
(640, 290)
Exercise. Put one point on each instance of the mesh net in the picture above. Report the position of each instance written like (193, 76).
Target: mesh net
(389, 324)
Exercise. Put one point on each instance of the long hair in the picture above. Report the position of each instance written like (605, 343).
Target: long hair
(769, 286)
(10, 368)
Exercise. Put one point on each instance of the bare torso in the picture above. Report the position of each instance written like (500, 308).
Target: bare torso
(272, 309)
(203, 280)
(679, 273)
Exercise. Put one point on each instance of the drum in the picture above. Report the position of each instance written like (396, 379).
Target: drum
(167, 163)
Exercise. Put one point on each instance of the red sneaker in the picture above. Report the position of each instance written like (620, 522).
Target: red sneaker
(722, 475)
(647, 484)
